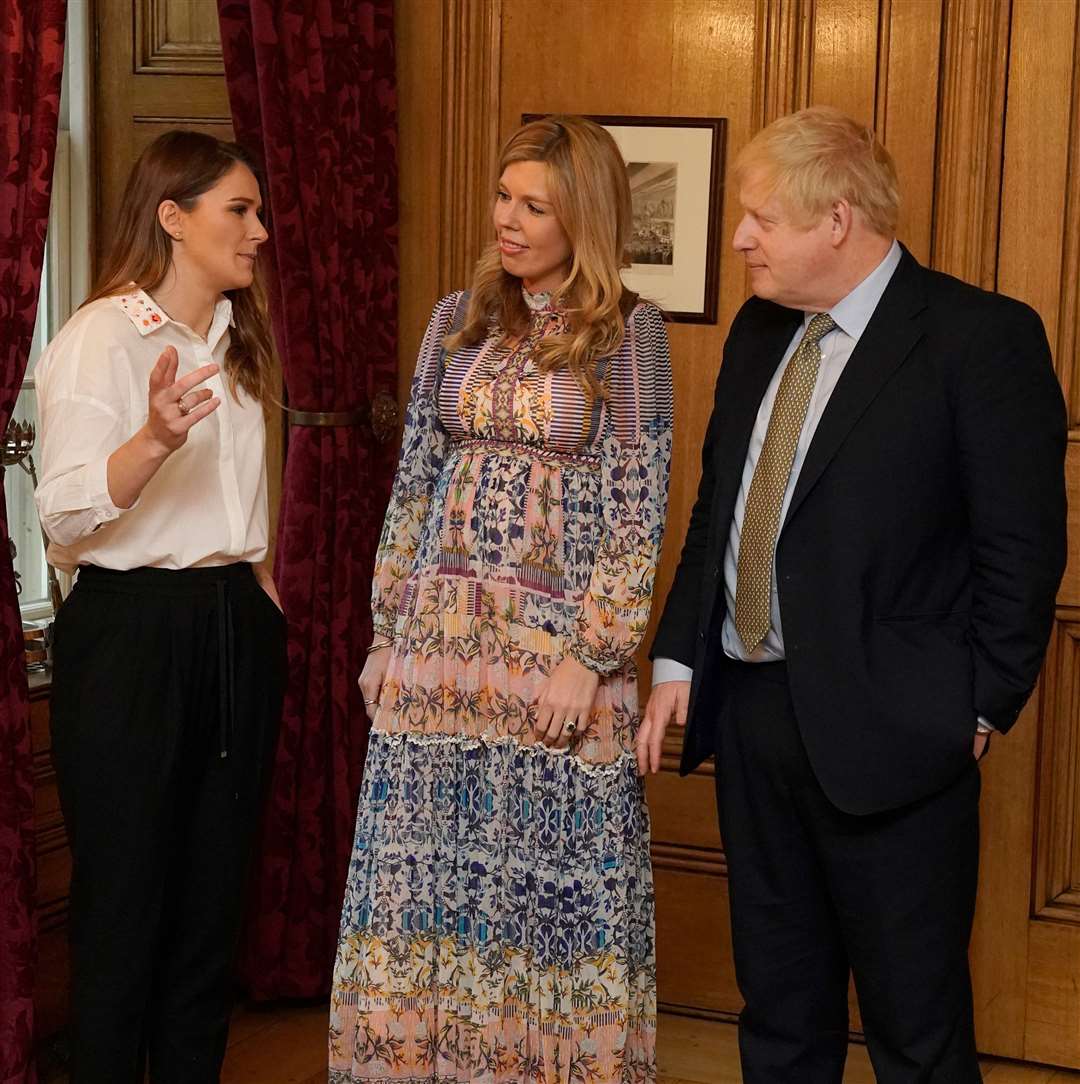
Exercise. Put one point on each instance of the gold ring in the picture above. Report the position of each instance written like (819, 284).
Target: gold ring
(185, 408)
(369, 702)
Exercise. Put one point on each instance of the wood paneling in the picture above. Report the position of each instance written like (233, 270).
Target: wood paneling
(969, 139)
(53, 872)
(177, 37)
(907, 109)
(471, 81)
(1057, 849)
(783, 43)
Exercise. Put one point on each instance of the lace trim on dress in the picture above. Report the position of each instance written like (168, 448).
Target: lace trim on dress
(616, 767)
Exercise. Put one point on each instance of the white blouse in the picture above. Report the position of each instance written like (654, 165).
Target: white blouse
(205, 506)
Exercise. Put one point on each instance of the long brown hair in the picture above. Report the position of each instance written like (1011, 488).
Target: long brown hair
(590, 193)
(181, 166)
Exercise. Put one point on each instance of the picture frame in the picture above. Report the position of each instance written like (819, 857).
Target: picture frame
(676, 167)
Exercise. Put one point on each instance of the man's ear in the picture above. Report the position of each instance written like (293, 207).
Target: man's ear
(171, 219)
(840, 221)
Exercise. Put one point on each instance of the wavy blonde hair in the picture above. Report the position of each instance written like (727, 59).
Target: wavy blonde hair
(819, 155)
(181, 166)
(590, 195)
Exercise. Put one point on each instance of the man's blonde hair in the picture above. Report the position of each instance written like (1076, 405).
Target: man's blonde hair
(817, 156)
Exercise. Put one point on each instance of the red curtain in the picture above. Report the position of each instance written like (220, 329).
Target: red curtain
(311, 85)
(31, 64)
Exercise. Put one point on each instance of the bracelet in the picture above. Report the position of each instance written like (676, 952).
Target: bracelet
(378, 645)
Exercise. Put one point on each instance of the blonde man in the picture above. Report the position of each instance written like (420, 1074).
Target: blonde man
(865, 594)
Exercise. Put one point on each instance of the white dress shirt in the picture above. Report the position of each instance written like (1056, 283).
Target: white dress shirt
(851, 315)
(207, 504)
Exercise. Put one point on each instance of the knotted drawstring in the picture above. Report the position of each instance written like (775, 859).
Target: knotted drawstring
(226, 701)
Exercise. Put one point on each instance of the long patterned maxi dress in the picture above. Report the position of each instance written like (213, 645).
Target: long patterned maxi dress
(498, 917)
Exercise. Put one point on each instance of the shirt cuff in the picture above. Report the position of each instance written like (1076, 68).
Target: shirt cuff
(96, 481)
(670, 670)
(984, 726)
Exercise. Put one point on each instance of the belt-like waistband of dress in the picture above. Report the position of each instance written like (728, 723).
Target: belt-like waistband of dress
(519, 449)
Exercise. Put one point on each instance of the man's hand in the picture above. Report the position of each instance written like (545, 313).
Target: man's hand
(982, 743)
(669, 700)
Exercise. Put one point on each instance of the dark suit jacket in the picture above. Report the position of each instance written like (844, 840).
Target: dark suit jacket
(922, 550)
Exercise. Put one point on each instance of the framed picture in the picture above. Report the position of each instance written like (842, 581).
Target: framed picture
(676, 167)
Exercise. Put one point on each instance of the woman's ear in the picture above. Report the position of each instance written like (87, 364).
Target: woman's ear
(171, 219)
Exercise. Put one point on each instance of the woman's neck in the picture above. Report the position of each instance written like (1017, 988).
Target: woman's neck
(186, 302)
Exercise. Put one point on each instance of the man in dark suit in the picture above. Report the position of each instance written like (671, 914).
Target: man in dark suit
(864, 595)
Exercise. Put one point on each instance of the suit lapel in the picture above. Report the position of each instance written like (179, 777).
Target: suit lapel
(883, 347)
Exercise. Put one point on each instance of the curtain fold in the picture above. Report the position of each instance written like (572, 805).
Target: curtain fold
(312, 92)
(31, 66)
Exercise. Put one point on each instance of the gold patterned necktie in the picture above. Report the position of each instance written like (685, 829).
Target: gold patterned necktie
(761, 518)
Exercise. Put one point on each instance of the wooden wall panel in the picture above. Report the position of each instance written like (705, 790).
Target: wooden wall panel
(907, 109)
(179, 37)
(783, 45)
(419, 38)
(969, 139)
(844, 60)
(1057, 869)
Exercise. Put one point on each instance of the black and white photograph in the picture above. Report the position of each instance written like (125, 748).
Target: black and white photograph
(653, 188)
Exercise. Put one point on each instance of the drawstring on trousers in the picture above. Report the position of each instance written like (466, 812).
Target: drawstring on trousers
(226, 699)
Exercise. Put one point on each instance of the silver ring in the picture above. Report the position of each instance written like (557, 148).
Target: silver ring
(571, 727)
(185, 408)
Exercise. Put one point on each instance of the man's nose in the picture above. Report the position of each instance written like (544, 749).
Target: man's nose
(743, 239)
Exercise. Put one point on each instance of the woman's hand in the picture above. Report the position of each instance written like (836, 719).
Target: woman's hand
(565, 703)
(265, 579)
(137, 460)
(372, 677)
(174, 406)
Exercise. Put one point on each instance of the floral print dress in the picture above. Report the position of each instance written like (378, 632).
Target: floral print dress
(498, 917)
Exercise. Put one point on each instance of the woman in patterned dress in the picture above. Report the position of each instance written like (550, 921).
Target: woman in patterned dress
(498, 918)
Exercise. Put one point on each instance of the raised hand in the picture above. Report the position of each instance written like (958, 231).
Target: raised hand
(174, 406)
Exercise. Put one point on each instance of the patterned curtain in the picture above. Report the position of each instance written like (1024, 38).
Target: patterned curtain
(31, 64)
(311, 84)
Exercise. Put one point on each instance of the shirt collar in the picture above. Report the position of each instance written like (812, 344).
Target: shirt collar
(853, 312)
(147, 316)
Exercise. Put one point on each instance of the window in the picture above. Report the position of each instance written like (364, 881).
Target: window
(64, 283)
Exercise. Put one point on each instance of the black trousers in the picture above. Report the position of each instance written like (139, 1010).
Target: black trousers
(816, 893)
(167, 691)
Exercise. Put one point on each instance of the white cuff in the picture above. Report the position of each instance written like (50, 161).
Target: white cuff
(984, 726)
(670, 670)
(96, 480)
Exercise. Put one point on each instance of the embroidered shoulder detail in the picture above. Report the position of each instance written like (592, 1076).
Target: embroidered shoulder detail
(141, 310)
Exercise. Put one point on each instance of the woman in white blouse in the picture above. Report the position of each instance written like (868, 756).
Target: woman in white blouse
(169, 653)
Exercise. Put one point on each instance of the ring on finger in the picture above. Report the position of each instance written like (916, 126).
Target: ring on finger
(571, 727)
(185, 407)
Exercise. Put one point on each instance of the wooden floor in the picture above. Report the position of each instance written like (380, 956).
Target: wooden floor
(288, 1046)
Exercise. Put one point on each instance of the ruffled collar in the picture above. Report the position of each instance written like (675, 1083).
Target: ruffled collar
(539, 302)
